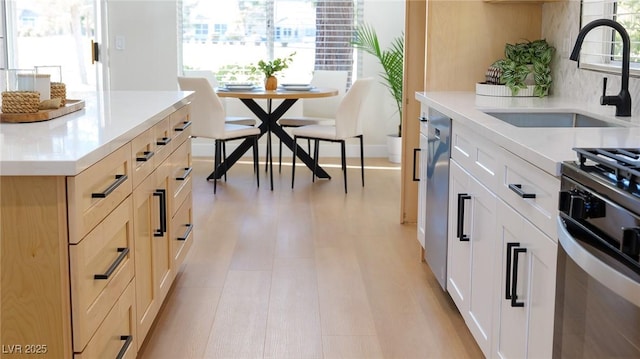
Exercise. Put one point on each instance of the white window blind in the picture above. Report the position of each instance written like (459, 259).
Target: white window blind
(228, 36)
(602, 48)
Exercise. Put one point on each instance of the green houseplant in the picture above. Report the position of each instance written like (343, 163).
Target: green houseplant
(522, 60)
(270, 68)
(391, 59)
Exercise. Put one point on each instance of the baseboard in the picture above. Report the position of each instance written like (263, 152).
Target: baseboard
(201, 149)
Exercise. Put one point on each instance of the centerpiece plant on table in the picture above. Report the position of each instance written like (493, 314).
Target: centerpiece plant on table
(270, 68)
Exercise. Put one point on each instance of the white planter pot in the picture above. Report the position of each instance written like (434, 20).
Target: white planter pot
(394, 148)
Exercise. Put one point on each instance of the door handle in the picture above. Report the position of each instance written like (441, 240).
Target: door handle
(162, 193)
(460, 234)
(415, 152)
(514, 285)
(508, 270)
(95, 52)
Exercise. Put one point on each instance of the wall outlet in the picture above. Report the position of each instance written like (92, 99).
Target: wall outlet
(120, 44)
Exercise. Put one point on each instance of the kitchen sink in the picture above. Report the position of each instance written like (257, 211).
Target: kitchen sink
(550, 119)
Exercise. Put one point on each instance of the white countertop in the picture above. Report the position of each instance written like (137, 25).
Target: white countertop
(546, 148)
(67, 145)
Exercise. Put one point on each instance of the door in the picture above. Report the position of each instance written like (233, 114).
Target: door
(422, 186)
(527, 288)
(59, 34)
(471, 253)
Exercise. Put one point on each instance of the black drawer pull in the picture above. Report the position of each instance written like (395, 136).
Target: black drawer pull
(423, 119)
(162, 193)
(163, 141)
(186, 233)
(187, 172)
(147, 156)
(415, 152)
(119, 180)
(184, 126)
(123, 253)
(514, 287)
(128, 339)
(517, 188)
(461, 198)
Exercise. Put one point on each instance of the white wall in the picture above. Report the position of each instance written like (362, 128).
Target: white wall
(150, 60)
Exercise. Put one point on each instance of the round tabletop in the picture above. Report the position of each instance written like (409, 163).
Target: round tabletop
(260, 92)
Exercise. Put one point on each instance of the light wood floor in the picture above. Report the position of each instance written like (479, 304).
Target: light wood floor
(305, 273)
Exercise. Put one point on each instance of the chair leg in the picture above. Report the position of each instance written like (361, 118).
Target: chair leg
(266, 160)
(224, 157)
(280, 156)
(362, 158)
(293, 160)
(256, 165)
(344, 163)
(316, 152)
(216, 163)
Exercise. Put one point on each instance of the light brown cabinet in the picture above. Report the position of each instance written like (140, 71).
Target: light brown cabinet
(87, 260)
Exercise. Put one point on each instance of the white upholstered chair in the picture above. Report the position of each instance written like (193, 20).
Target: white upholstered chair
(213, 81)
(348, 124)
(318, 111)
(208, 117)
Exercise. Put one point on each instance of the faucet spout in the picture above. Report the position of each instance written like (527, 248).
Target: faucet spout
(622, 101)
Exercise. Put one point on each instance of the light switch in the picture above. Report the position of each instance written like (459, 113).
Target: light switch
(120, 42)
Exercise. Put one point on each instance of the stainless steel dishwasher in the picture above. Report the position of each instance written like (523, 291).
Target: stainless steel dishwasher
(437, 201)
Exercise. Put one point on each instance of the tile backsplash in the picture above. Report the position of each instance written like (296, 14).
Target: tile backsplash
(560, 26)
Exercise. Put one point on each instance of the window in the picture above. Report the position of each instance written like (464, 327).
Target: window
(243, 32)
(602, 48)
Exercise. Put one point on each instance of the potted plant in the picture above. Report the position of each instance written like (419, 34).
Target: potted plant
(525, 64)
(392, 61)
(270, 68)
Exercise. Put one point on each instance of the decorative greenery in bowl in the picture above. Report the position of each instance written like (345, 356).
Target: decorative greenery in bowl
(522, 59)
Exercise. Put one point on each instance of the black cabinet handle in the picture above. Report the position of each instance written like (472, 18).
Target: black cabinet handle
(460, 234)
(184, 126)
(119, 180)
(128, 339)
(508, 270)
(517, 188)
(163, 212)
(187, 172)
(163, 141)
(423, 119)
(146, 156)
(415, 152)
(123, 253)
(186, 233)
(514, 286)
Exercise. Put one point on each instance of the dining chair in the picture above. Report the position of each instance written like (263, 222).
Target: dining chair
(213, 81)
(348, 124)
(209, 121)
(318, 111)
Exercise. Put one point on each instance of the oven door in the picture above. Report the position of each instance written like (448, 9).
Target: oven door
(597, 311)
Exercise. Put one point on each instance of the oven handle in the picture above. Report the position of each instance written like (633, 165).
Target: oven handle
(603, 273)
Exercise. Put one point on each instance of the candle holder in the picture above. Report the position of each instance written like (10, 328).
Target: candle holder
(57, 88)
(20, 96)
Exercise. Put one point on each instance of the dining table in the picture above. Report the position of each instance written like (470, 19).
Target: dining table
(269, 121)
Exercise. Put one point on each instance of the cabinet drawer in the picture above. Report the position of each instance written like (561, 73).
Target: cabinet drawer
(476, 154)
(522, 179)
(163, 137)
(95, 192)
(142, 156)
(180, 177)
(116, 334)
(180, 125)
(182, 232)
(101, 267)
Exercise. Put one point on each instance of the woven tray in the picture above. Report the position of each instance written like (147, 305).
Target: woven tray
(43, 115)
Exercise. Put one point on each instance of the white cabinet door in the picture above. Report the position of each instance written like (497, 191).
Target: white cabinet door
(422, 189)
(471, 253)
(527, 288)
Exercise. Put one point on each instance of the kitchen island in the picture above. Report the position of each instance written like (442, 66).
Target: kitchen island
(84, 197)
(504, 184)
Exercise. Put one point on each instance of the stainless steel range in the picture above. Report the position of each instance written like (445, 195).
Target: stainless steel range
(597, 312)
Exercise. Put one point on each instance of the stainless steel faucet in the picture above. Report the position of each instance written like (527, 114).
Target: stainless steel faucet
(622, 101)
